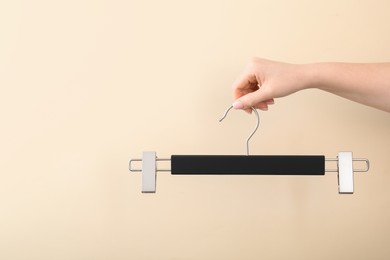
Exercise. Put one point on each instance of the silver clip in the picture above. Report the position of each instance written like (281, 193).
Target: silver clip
(345, 171)
(149, 170)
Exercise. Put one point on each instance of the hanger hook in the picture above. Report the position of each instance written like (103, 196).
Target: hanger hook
(254, 130)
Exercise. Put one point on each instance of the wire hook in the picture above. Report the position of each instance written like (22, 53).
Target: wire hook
(253, 132)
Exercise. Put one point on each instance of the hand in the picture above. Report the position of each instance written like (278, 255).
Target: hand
(263, 80)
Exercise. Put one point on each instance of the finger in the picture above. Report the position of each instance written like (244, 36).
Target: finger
(245, 84)
(264, 103)
(254, 99)
(262, 106)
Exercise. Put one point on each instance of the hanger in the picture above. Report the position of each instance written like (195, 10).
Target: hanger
(249, 165)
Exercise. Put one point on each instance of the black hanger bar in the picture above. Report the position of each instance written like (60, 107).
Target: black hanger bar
(248, 165)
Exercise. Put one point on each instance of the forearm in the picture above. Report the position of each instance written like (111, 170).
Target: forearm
(367, 84)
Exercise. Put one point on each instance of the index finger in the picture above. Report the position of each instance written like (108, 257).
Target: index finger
(245, 84)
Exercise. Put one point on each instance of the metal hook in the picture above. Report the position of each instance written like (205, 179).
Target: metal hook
(253, 132)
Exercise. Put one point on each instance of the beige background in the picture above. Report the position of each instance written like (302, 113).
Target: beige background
(87, 85)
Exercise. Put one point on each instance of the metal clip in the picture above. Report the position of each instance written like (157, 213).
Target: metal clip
(345, 170)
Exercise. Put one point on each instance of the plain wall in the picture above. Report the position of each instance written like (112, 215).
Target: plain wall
(88, 85)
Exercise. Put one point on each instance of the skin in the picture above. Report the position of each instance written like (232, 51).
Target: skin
(264, 80)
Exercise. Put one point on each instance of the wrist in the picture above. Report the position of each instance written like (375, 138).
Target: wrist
(310, 76)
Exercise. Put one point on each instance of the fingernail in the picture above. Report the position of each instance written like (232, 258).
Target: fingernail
(238, 105)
